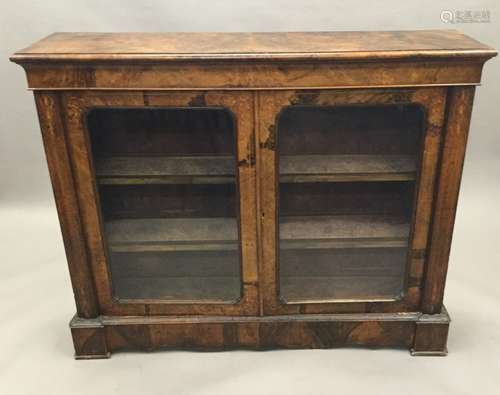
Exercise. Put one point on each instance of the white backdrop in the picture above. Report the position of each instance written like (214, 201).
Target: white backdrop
(35, 296)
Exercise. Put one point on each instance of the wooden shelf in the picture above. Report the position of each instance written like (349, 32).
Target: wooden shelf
(342, 257)
(343, 231)
(165, 170)
(194, 263)
(221, 169)
(323, 168)
(184, 289)
(214, 234)
(343, 243)
(338, 288)
(172, 234)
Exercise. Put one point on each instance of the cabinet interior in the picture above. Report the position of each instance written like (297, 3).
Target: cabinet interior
(167, 183)
(346, 194)
(169, 202)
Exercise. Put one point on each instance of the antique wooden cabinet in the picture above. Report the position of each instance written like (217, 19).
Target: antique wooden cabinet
(256, 190)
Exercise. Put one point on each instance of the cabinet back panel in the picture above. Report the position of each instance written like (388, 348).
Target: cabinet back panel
(389, 130)
(168, 201)
(389, 198)
(173, 131)
(168, 196)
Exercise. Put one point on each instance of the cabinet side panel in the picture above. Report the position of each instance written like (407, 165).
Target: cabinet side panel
(54, 140)
(459, 109)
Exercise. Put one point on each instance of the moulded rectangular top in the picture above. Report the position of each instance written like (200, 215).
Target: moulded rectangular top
(133, 47)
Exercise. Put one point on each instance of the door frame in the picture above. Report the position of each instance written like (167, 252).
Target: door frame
(269, 105)
(241, 104)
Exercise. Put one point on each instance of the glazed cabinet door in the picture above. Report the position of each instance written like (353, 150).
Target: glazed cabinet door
(166, 190)
(346, 187)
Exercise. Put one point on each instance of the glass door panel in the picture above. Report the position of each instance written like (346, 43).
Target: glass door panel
(168, 194)
(346, 194)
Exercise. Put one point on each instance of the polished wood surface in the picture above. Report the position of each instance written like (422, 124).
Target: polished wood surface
(63, 185)
(100, 188)
(97, 338)
(452, 159)
(252, 76)
(265, 60)
(253, 46)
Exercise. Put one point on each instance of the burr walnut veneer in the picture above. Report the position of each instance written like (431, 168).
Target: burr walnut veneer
(256, 190)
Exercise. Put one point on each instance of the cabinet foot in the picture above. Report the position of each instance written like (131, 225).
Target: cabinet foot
(431, 335)
(89, 339)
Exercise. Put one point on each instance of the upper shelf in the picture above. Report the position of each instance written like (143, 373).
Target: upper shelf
(220, 169)
(165, 170)
(318, 168)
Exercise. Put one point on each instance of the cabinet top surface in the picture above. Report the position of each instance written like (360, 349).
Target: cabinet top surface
(89, 47)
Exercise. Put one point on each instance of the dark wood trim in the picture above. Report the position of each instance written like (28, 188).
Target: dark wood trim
(236, 89)
(459, 110)
(89, 338)
(97, 338)
(431, 334)
(405, 330)
(55, 144)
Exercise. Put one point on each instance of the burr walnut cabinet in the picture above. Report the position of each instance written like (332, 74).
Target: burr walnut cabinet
(256, 190)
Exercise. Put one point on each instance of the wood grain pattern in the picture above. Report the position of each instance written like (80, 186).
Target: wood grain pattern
(225, 333)
(265, 60)
(55, 143)
(250, 76)
(89, 338)
(253, 46)
(459, 111)
(431, 334)
(90, 213)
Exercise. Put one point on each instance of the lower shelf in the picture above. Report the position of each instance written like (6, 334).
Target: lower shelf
(321, 258)
(183, 289)
(335, 274)
(213, 234)
(183, 276)
(341, 227)
(348, 288)
(227, 289)
(172, 234)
